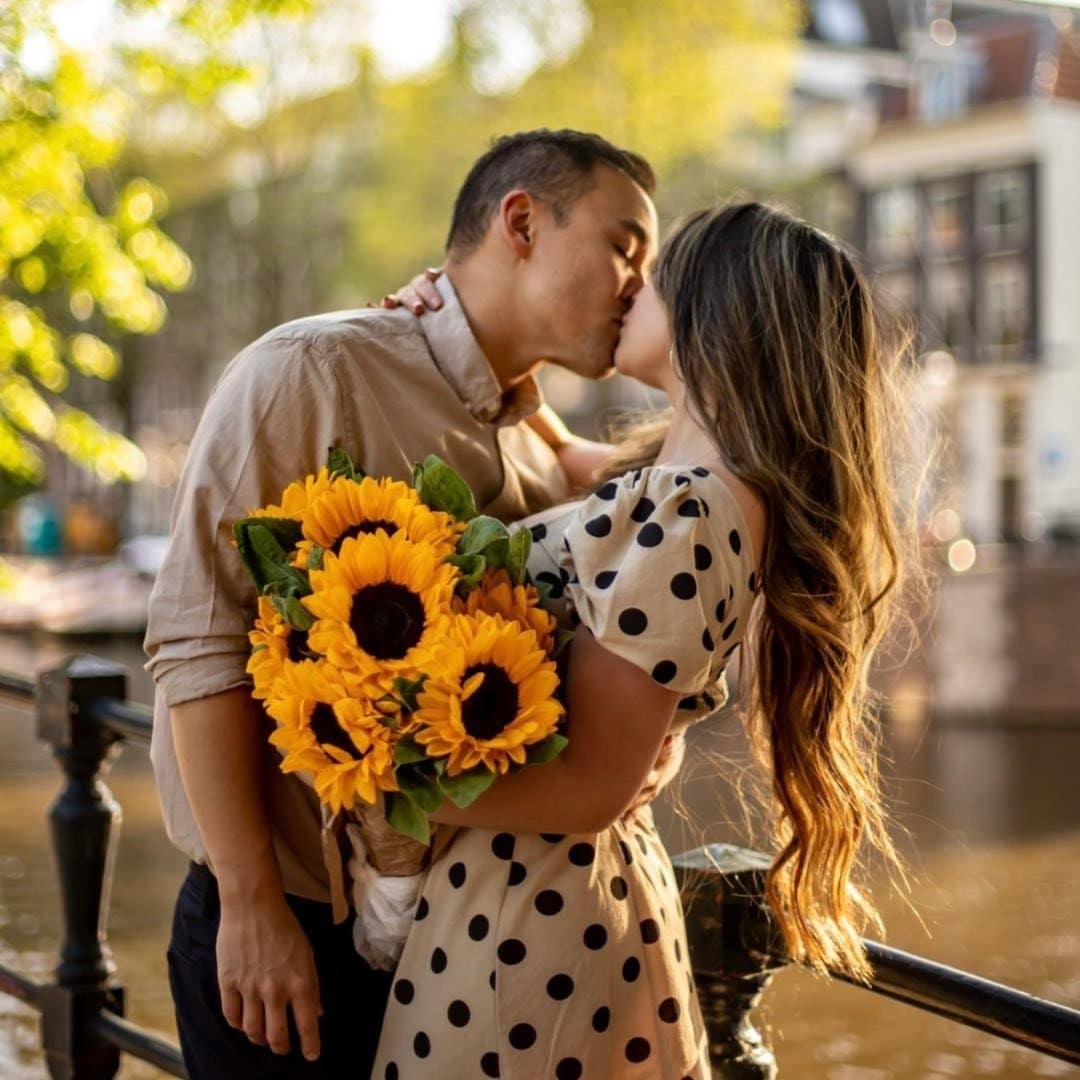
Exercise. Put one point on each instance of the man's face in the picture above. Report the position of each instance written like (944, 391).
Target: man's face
(582, 275)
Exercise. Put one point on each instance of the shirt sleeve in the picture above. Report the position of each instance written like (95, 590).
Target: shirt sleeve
(647, 577)
(270, 419)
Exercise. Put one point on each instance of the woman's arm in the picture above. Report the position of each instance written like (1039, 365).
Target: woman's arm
(618, 718)
(580, 458)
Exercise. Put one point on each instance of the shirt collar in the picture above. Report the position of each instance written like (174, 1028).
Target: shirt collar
(463, 364)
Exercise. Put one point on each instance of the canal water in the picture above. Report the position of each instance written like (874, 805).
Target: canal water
(987, 810)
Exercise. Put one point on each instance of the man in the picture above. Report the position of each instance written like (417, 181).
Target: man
(551, 237)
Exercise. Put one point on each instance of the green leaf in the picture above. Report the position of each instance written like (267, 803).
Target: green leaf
(562, 639)
(542, 752)
(423, 790)
(440, 488)
(286, 531)
(340, 463)
(544, 589)
(407, 818)
(267, 561)
(481, 532)
(315, 558)
(409, 751)
(472, 569)
(466, 787)
(407, 689)
(518, 556)
(293, 612)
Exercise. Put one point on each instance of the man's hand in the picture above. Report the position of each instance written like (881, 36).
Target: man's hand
(419, 295)
(266, 967)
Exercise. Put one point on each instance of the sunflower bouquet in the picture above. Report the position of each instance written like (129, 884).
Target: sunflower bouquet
(399, 645)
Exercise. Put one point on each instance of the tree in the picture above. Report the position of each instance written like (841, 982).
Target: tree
(83, 257)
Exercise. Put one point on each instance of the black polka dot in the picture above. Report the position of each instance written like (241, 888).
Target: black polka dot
(522, 1036)
(582, 854)
(604, 579)
(438, 961)
(631, 969)
(650, 535)
(665, 671)
(608, 491)
(627, 854)
(553, 837)
(633, 621)
(599, 527)
(681, 479)
(458, 1014)
(684, 586)
(735, 540)
(650, 931)
(705, 507)
(702, 557)
(391, 1071)
(690, 508)
(512, 951)
(538, 531)
(595, 936)
(751, 583)
(404, 991)
(638, 1050)
(700, 470)
(517, 874)
(560, 987)
(478, 927)
(549, 902)
(421, 1045)
(669, 1010)
(729, 629)
(707, 642)
(678, 951)
(555, 584)
(502, 845)
(601, 1018)
(569, 1069)
(619, 888)
(641, 844)
(730, 649)
(457, 875)
(730, 592)
(688, 704)
(721, 611)
(490, 1064)
(491, 980)
(643, 511)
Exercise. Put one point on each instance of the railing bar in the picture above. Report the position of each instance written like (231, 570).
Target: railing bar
(140, 1043)
(19, 986)
(969, 999)
(127, 718)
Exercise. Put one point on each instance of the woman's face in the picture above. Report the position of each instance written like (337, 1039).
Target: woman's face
(645, 341)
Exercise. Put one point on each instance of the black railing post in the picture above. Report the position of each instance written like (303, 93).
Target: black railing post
(84, 843)
(733, 951)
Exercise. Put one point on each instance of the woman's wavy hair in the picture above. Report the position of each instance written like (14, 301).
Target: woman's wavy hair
(801, 382)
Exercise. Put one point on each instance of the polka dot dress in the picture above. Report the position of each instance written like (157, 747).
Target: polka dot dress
(564, 957)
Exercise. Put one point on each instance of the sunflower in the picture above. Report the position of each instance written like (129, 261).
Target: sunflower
(496, 594)
(297, 497)
(341, 741)
(350, 508)
(276, 644)
(489, 696)
(380, 606)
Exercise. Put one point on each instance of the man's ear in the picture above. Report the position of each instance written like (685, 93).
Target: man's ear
(517, 222)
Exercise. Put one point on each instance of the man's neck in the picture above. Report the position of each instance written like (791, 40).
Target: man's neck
(489, 311)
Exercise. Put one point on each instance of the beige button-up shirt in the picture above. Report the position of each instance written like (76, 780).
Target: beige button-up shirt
(391, 389)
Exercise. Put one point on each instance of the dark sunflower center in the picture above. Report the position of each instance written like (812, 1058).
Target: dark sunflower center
(493, 706)
(325, 726)
(387, 619)
(296, 644)
(361, 529)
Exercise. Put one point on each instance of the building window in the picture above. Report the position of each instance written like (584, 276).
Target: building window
(1012, 420)
(1003, 310)
(1002, 209)
(943, 89)
(948, 307)
(946, 204)
(899, 292)
(892, 225)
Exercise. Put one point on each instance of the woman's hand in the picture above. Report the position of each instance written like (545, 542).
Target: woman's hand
(419, 295)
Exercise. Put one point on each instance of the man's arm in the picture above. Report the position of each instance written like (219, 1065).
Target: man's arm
(265, 962)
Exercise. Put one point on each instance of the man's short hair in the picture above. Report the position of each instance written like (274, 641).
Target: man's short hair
(555, 167)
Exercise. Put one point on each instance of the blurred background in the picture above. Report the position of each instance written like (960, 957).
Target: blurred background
(177, 176)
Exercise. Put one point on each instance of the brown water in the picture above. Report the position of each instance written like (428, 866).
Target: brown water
(994, 823)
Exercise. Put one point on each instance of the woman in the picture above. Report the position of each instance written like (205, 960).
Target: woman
(549, 938)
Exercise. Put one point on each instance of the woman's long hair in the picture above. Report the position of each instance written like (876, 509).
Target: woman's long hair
(790, 368)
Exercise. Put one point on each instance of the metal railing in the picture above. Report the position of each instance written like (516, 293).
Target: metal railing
(83, 714)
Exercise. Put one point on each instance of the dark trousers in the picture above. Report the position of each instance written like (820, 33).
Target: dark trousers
(353, 996)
